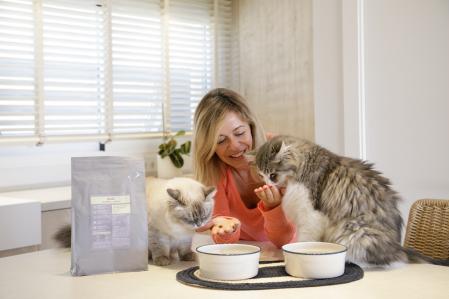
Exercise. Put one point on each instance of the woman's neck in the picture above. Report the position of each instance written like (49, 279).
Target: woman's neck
(246, 182)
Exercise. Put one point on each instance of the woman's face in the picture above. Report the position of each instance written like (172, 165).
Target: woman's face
(234, 139)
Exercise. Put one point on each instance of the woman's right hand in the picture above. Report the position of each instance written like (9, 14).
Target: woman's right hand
(270, 195)
(225, 225)
(224, 229)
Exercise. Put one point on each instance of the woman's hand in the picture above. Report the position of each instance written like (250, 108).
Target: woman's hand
(223, 229)
(270, 196)
(224, 225)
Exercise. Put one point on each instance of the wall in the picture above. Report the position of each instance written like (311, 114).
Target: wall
(407, 94)
(328, 74)
(276, 61)
(402, 78)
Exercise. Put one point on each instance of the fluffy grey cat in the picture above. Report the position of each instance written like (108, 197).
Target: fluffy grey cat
(176, 207)
(335, 199)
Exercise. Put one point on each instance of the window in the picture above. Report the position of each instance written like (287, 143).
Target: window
(74, 70)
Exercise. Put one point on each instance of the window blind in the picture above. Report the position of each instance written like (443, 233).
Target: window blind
(137, 66)
(100, 70)
(190, 58)
(73, 68)
(17, 79)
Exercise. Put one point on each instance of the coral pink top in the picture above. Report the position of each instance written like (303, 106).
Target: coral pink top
(257, 224)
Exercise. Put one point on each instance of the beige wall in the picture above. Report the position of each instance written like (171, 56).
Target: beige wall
(275, 63)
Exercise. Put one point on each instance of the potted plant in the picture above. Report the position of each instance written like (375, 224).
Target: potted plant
(171, 166)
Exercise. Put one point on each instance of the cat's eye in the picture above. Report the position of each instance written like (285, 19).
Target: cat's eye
(273, 177)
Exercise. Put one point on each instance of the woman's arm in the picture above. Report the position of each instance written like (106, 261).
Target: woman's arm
(278, 229)
(224, 229)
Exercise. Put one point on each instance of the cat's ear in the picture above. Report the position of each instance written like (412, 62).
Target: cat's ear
(288, 154)
(209, 192)
(250, 157)
(175, 194)
(284, 152)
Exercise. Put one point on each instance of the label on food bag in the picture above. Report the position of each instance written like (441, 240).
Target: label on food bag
(110, 221)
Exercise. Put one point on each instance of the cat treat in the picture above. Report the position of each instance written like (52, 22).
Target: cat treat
(109, 219)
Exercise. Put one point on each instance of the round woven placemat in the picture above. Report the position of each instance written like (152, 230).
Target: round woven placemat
(271, 275)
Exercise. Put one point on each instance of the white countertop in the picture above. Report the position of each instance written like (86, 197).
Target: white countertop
(45, 274)
(50, 198)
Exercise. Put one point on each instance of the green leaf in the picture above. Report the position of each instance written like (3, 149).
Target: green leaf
(179, 133)
(162, 153)
(168, 148)
(171, 145)
(176, 159)
(185, 147)
(163, 150)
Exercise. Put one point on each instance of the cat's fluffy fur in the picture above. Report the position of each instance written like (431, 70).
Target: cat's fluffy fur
(176, 207)
(335, 199)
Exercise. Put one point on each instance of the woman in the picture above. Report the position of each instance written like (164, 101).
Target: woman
(225, 129)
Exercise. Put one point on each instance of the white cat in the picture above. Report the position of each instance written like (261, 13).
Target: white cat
(176, 207)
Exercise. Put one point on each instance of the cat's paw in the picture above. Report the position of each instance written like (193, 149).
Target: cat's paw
(190, 256)
(162, 261)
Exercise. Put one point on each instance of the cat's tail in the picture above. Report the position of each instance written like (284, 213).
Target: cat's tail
(64, 236)
(416, 257)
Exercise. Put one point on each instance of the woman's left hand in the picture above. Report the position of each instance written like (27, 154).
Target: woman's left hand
(270, 196)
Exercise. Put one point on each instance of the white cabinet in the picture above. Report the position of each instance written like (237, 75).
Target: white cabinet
(20, 223)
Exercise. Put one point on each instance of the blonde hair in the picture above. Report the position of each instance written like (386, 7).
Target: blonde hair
(209, 114)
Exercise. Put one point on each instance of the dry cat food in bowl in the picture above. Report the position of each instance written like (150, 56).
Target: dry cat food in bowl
(228, 261)
(314, 260)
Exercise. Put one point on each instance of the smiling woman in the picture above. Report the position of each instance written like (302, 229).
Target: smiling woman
(225, 129)
(233, 141)
(221, 114)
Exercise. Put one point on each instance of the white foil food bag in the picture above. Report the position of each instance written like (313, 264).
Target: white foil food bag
(109, 215)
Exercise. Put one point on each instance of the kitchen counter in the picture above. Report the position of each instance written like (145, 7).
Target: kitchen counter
(45, 274)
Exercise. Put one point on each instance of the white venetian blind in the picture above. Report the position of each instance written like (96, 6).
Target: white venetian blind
(223, 42)
(73, 68)
(190, 58)
(17, 100)
(137, 66)
(105, 69)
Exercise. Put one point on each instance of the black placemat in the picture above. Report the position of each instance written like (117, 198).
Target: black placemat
(271, 275)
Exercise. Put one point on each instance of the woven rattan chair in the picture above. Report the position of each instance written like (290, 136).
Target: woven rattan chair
(428, 228)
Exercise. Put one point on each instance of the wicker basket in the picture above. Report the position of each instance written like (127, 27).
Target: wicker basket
(428, 228)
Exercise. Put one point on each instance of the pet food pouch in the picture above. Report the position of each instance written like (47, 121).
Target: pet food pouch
(109, 215)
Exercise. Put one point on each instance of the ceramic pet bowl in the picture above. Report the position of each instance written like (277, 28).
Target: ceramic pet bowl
(314, 260)
(228, 261)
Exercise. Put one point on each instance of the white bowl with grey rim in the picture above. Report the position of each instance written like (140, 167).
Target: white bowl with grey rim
(228, 261)
(314, 260)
